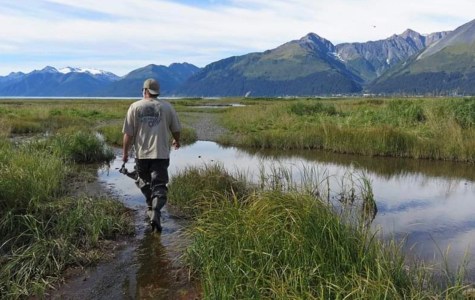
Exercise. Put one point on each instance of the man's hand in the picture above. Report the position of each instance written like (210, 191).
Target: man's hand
(176, 144)
(125, 148)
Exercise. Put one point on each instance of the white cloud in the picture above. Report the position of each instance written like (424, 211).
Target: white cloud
(163, 32)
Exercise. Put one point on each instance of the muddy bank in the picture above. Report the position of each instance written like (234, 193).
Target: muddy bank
(144, 266)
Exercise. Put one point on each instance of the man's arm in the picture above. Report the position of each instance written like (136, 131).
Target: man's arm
(127, 141)
(176, 139)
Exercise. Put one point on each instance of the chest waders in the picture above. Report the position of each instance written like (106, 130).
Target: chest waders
(153, 187)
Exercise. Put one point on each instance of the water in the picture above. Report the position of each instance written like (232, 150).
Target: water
(431, 204)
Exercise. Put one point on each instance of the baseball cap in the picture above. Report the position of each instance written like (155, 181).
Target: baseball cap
(152, 86)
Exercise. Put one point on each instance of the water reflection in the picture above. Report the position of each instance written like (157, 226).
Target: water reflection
(431, 203)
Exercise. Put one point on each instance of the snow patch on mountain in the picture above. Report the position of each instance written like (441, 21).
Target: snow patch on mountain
(67, 70)
(337, 56)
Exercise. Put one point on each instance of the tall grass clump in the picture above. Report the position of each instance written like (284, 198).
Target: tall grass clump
(112, 134)
(188, 136)
(464, 112)
(286, 243)
(289, 246)
(82, 147)
(311, 108)
(194, 189)
(29, 176)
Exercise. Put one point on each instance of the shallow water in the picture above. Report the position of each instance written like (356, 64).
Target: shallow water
(429, 203)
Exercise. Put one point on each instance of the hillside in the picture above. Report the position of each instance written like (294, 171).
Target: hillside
(307, 66)
(446, 67)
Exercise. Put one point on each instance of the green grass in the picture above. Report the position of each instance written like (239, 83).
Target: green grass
(41, 243)
(440, 129)
(82, 147)
(193, 190)
(43, 231)
(280, 241)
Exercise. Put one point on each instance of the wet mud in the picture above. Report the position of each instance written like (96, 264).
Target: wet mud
(145, 266)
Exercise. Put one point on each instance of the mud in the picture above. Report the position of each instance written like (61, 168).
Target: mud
(144, 266)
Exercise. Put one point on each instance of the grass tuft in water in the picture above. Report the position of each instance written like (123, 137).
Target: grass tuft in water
(82, 147)
(194, 189)
(281, 241)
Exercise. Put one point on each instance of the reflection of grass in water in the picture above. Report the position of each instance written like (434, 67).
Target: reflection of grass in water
(42, 231)
(280, 240)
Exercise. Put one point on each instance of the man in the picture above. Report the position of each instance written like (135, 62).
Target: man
(147, 126)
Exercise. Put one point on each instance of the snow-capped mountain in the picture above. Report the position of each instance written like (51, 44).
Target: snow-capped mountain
(89, 82)
(94, 72)
(50, 81)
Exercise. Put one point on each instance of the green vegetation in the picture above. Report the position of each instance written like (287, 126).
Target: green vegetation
(194, 189)
(434, 128)
(273, 239)
(43, 228)
(280, 241)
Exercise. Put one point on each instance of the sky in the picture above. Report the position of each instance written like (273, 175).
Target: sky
(120, 36)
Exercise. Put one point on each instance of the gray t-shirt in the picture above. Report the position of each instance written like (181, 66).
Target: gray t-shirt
(149, 122)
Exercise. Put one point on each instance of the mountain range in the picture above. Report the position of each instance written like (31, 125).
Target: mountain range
(408, 63)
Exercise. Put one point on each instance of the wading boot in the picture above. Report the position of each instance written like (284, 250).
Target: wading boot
(155, 215)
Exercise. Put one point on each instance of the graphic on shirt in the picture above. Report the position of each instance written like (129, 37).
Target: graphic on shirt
(149, 115)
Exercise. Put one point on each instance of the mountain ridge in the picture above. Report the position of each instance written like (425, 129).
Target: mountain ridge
(409, 62)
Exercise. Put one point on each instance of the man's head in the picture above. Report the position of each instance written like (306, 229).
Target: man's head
(152, 86)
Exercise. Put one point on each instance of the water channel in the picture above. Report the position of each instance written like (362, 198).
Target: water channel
(429, 204)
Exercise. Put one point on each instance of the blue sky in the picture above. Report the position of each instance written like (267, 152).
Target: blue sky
(122, 35)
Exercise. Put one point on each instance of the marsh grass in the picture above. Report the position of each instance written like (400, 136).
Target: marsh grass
(282, 241)
(194, 189)
(112, 133)
(440, 129)
(43, 231)
(66, 232)
(82, 147)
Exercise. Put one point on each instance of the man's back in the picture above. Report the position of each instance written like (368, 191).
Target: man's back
(149, 121)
